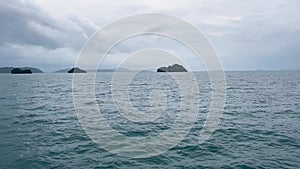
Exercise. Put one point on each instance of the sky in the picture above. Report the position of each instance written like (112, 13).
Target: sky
(247, 35)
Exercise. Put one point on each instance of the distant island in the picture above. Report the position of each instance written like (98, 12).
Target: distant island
(62, 70)
(20, 71)
(76, 70)
(96, 70)
(9, 69)
(120, 69)
(173, 68)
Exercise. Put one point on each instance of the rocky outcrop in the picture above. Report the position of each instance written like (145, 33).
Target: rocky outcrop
(96, 70)
(76, 70)
(9, 69)
(21, 71)
(173, 68)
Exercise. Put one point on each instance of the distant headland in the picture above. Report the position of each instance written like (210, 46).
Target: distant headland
(96, 70)
(173, 68)
(20, 70)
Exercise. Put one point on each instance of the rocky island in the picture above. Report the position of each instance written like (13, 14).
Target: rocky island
(96, 70)
(9, 69)
(21, 71)
(173, 68)
(76, 70)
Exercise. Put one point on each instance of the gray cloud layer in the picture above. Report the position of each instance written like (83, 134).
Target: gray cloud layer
(31, 36)
(247, 34)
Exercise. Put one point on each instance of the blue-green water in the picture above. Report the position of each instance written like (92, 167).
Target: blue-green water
(259, 128)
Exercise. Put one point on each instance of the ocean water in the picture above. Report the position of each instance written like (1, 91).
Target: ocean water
(260, 126)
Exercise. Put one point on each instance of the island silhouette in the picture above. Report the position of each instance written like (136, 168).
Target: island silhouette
(173, 68)
(76, 70)
(28, 70)
(96, 70)
(19, 69)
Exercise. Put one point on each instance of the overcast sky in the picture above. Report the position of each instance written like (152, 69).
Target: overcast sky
(247, 35)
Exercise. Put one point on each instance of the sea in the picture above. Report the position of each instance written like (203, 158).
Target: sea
(259, 127)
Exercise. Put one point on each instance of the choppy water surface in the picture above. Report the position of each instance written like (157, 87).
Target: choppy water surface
(259, 129)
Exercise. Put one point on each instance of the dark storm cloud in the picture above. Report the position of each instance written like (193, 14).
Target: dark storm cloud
(18, 20)
(24, 23)
(31, 36)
